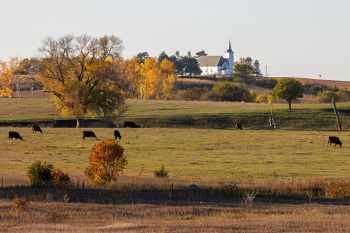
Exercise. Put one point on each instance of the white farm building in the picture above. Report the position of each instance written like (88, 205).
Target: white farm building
(217, 65)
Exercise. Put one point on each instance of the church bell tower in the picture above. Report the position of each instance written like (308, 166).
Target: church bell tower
(230, 57)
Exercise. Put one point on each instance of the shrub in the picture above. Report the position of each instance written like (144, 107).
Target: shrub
(271, 99)
(327, 96)
(337, 189)
(44, 174)
(194, 93)
(40, 173)
(248, 200)
(343, 95)
(161, 173)
(228, 91)
(315, 88)
(60, 178)
(106, 162)
(19, 205)
(265, 83)
(261, 99)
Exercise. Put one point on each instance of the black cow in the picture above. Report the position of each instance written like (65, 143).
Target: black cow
(117, 135)
(334, 140)
(14, 135)
(131, 124)
(89, 134)
(238, 126)
(36, 128)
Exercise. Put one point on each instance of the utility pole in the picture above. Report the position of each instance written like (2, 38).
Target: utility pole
(266, 71)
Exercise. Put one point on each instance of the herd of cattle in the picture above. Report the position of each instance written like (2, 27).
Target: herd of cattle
(86, 134)
(130, 124)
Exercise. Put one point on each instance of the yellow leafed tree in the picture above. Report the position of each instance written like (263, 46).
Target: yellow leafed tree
(130, 72)
(7, 71)
(157, 79)
(168, 78)
(81, 74)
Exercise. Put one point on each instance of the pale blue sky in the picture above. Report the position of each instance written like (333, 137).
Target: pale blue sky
(293, 37)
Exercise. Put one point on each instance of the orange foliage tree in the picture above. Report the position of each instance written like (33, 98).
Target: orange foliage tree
(106, 162)
(7, 70)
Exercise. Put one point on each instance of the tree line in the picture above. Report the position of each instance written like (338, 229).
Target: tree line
(87, 76)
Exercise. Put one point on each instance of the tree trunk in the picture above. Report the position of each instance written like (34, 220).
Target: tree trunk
(79, 122)
(290, 105)
(336, 114)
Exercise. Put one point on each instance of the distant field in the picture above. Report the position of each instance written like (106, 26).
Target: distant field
(330, 83)
(190, 154)
(193, 114)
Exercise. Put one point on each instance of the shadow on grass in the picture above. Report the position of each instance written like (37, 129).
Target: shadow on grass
(226, 195)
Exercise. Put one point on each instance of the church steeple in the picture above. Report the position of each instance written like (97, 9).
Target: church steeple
(229, 47)
(229, 56)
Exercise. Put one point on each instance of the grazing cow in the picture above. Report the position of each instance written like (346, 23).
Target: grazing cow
(14, 135)
(238, 126)
(36, 128)
(334, 140)
(89, 134)
(131, 124)
(117, 135)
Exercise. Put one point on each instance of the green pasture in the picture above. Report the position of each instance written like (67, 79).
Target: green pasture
(14, 109)
(193, 114)
(189, 154)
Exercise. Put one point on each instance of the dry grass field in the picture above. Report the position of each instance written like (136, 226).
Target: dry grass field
(69, 218)
(287, 165)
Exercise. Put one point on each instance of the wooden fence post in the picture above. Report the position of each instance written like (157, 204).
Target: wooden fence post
(336, 114)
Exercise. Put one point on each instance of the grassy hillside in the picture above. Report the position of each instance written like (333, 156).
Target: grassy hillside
(193, 114)
(331, 83)
(224, 114)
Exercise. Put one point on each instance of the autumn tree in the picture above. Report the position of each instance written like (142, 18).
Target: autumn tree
(106, 162)
(142, 56)
(7, 71)
(256, 68)
(130, 73)
(157, 79)
(28, 66)
(288, 89)
(81, 74)
(244, 68)
(163, 55)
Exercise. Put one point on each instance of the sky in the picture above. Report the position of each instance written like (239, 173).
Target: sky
(299, 38)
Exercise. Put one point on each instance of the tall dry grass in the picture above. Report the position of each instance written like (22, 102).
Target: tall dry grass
(61, 217)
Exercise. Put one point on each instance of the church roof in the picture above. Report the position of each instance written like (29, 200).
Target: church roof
(211, 61)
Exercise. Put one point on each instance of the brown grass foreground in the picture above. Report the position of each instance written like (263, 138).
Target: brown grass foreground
(64, 217)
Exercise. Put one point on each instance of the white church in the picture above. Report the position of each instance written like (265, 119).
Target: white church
(217, 65)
